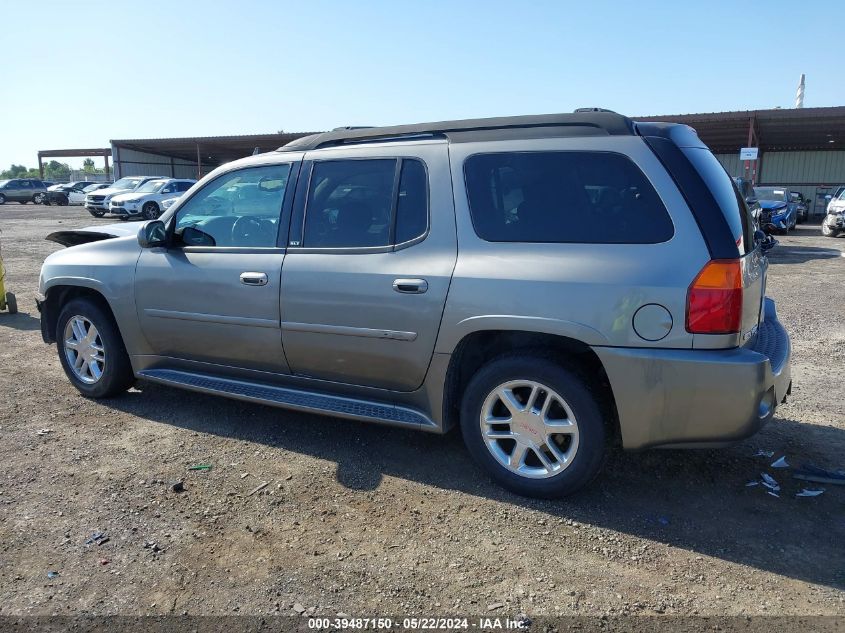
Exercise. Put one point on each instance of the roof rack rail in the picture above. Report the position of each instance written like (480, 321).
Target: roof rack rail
(584, 122)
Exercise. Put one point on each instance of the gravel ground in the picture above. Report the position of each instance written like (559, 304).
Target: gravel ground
(365, 520)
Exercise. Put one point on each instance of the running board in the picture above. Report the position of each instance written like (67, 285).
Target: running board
(296, 399)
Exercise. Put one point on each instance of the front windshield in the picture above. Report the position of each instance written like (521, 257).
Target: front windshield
(127, 183)
(93, 187)
(769, 193)
(152, 186)
(3, 183)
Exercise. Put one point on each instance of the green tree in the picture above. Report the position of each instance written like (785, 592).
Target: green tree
(15, 171)
(54, 170)
(88, 166)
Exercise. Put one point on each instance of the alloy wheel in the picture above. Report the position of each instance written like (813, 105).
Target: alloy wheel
(84, 349)
(150, 211)
(529, 429)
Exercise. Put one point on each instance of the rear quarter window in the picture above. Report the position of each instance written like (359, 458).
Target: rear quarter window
(563, 197)
(726, 194)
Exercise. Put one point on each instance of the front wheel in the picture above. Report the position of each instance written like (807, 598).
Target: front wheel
(534, 426)
(827, 231)
(2, 199)
(38, 198)
(91, 350)
(151, 211)
(96, 213)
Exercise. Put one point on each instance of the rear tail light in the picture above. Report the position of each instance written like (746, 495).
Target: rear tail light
(714, 299)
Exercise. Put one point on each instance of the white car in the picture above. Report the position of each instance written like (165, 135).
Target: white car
(97, 202)
(72, 192)
(147, 200)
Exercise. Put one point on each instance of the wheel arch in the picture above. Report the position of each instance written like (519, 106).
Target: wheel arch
(58, 295)
(478, 348)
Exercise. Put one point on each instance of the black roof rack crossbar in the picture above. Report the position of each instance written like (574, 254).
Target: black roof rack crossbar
(609, 123)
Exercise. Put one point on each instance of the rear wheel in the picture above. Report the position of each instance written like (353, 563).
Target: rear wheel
(23, 201)
(91, 350)
(2, 199)
(11, 303)
(534, 426)
(827, 231)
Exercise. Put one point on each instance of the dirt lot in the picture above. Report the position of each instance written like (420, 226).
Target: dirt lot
(365, 520)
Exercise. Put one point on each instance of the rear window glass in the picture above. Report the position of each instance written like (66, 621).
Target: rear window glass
(727, 196)
(564, 197)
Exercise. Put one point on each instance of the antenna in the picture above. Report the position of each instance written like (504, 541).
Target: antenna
(799, 96)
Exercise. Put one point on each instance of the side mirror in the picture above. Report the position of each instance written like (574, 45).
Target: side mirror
(152, 234)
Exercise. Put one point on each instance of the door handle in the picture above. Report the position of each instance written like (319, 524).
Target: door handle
(254, 279)
(410, 286)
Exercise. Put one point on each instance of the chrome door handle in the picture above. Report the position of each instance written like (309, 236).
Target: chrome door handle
(254, 279)
(410, 286)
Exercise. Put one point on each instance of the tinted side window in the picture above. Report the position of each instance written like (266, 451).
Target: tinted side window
(183, 186)
(239, 208)
(349, 203)
(412, 206)
(574, 197)
(727, 196)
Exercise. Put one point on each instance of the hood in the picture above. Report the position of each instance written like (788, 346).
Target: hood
(92, 234)
(129, 197)
(108, 191)
(772, 205)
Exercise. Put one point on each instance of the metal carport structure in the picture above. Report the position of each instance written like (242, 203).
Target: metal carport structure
(189, 157)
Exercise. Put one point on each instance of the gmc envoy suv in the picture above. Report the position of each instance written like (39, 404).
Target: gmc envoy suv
(555, 285)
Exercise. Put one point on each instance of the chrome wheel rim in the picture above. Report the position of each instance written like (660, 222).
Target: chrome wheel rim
(84, 349)
(150, 212)
(529, 429)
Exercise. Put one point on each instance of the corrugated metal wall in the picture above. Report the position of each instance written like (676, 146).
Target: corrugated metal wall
(130, 162)
(813, 173)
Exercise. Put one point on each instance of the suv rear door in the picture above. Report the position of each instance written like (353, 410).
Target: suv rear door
(370, 257)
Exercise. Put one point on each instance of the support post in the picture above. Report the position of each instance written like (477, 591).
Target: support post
(199, 163)
(106, 157)
(40, 168)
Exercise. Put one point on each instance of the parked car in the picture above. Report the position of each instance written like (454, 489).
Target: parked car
(69, 193)
(837, 192)
(551, 284)
(802, 208)
(146, 201)
(834, 222)
(22, 190)
(779, 212)
(746, 190)
(97, 202)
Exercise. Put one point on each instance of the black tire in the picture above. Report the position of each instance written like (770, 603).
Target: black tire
(11, 303)
(150, 211)
(582, 401)
(96, 213)
(38, 198)
(62, 201)
(117, 374)
(23, 201)
(2, 199)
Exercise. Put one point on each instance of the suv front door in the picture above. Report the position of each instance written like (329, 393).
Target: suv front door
(370, 256)
(213, 294)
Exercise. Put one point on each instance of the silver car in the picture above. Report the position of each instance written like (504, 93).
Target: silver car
(550, 284)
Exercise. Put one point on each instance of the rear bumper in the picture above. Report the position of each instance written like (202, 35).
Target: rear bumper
(685, 398)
